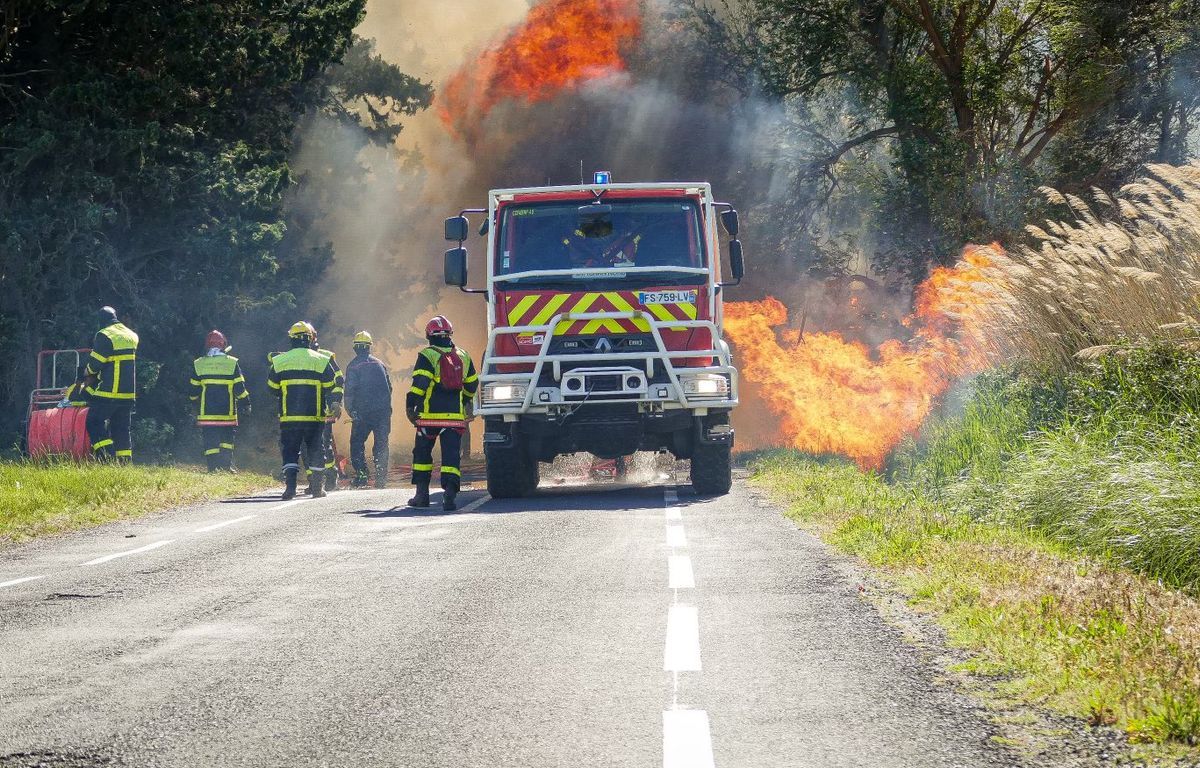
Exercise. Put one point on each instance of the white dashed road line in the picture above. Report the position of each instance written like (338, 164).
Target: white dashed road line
(215, 526)
(474, 505)
(682, 652)
(129, 552)
(15, 582)
(686, 739)
(679, 572)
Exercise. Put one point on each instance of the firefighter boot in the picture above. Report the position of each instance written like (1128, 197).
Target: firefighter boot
(316, 484)
(289, 492)
(421, 499)
(449, 492)
(331, 478)
(360, 479)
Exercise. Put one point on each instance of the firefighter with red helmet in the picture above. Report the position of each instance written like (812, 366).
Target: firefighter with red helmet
(219, 390)
(444, 382)
(302, 379)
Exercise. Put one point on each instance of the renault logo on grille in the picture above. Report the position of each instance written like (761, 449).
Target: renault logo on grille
(604, 345)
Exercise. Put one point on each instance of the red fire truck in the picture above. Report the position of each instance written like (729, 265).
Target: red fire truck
(604, 326)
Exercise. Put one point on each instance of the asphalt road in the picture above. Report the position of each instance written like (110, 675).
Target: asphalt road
(588, 626)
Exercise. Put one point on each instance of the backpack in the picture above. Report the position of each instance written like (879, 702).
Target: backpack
(450, 370)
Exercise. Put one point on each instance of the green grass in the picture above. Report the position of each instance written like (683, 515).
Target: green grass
(1060, 629)
(37, 498)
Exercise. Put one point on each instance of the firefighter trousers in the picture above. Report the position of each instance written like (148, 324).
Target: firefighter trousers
(379, 425)
(218, 446)
(307, 436)
(108, 423)
(451, 440)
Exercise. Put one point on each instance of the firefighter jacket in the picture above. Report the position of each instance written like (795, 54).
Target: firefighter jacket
(435, 405)
(218, 385)
(114, 363)
(302, 379)
(339, 383)
(368, 387)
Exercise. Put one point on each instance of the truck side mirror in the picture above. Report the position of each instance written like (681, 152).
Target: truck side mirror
(457, 228)
(737, 263)
(456, 263)
(729, 220)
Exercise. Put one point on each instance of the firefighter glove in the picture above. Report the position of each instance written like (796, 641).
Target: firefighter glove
(412, 416)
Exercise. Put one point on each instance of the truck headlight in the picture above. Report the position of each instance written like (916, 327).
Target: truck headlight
(504, 392)
(705, 385)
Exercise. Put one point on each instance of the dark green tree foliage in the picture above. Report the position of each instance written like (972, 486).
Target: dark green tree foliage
(938, 117)
(144, 163)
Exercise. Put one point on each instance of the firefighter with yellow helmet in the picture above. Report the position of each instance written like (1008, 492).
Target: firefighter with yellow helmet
(369, 403)
(333, 412)
(303, 380)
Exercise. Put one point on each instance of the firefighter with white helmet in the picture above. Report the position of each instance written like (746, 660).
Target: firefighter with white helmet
(303, 380)
(444, 382)
(219, 391)
(369, 403)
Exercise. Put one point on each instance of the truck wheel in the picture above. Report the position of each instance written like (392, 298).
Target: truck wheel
(532, 476)
(712, 469)
(509, 472)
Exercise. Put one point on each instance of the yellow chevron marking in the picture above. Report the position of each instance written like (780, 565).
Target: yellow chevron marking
(550, 309)
(519, 311)
(625, 306)
(612, 326)
(586, 301)
(660, 311)
(689, 310)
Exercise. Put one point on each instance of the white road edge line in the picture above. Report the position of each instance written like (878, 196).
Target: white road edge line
(682, 650)
(675, 536)
(127, 553)
(670, 496)
(687, 741)
(15, 582)
(215, 526)
(287, 504)
(679, 572)
(674, 513)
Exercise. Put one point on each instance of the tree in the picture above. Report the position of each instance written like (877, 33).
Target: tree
(966, 104)
(144, 162)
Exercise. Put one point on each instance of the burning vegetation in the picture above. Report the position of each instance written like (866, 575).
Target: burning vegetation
(833, 395)
(561, 45)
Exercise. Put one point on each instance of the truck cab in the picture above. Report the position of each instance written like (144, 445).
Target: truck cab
(604, 309)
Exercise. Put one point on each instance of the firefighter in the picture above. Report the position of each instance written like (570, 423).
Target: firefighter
(444, 381)
(333, 412)
(369, 402)
(110, 381)
(302, 379)
(219, 390)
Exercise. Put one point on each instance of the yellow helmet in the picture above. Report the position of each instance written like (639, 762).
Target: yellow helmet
(363, 338)
(302, 330)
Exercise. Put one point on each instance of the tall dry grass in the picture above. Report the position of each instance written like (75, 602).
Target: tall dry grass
(1111, 271)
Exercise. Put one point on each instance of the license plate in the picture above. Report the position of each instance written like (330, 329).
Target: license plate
(667, 297)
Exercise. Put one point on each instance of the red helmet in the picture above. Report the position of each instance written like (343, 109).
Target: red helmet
(215, 340)
(439, 326)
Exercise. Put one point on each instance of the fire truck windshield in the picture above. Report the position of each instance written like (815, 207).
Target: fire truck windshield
(631, 242)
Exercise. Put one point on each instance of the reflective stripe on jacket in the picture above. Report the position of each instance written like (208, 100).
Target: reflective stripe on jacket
(434, 402)
(218, 384)
(302, 379)
(114, 363)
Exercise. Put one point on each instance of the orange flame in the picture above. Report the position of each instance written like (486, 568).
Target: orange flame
(561, 45)
(837, 396)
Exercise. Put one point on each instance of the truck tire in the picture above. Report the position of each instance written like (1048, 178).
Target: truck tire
(509, 474)
(712, 469)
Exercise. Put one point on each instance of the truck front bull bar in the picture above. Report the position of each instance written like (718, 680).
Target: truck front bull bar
(718, 350)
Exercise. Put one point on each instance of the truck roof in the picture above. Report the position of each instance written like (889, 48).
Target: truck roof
(701, 188)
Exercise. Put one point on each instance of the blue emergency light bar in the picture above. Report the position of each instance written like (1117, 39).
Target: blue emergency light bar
(603, 177)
